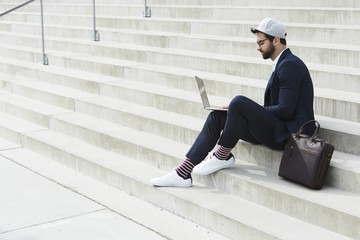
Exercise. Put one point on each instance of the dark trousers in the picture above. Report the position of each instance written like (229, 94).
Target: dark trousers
(244, 120)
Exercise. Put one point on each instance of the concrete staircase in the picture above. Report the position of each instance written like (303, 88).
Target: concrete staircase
(126, 109)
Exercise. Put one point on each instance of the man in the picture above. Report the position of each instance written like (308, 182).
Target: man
(288, 104)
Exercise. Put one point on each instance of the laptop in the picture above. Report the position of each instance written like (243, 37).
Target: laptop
(204, 97)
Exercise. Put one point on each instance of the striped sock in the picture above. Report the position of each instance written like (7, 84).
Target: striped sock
(185, 169)
(222, 153)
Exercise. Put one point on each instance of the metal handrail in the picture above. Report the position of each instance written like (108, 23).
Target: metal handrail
(96, 35)
(13, 9)
(147, 10)
(45, 59)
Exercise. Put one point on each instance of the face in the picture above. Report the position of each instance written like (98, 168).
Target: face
(265, 47)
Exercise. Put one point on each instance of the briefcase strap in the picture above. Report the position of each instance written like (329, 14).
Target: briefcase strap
(314, 136)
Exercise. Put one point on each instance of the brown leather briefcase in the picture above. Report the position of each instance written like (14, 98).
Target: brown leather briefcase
(306, 159)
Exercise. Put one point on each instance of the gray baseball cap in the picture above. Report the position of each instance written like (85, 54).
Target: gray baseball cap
(272, 27)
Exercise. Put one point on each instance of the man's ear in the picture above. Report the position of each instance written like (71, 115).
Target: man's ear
(276, 41)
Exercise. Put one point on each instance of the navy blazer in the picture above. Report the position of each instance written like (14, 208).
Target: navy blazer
(289, 93)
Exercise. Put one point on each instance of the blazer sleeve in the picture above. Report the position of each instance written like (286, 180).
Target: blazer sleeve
(288, 82)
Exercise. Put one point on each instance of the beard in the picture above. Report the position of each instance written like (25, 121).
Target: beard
(269, 52)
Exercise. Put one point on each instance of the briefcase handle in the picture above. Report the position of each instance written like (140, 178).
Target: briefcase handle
(314, 136)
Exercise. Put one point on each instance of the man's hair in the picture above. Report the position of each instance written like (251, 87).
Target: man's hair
(271, 38)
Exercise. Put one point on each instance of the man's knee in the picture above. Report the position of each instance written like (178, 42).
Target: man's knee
(217, 118)
(239, 103)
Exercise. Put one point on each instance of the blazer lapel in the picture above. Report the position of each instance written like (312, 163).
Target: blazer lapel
(267, 93)
(267, 90)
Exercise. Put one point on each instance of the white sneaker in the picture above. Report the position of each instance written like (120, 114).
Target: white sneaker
(172, 179)
(212, 164)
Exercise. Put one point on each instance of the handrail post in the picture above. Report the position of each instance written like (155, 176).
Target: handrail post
(147, 11)
(44, 57)
(96, 35)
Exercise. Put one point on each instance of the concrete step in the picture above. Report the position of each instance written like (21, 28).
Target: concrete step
(139, 116)
(249, 67)
(345, 106)
(296, 31)
(342, 105)
(120, 9)
(295, 3)
(308, 15)
(127, 2)
(170, 125)
(139, 84)
(75, 125)
(98, 65)
(330, 33)
(337, 104)
(31, 110)
(263, 186)
(164, 98)
(322, 73)
(72, 131)
(319, 15)
(165, 25)
(219, 63)
(342, 131)
(174, 126)
(299, 3)
(231, 85)
(310, 53)
(12, 130)
(285, 3)
(132, 177)
(185, 129)
(156, 220)
(332, 103)
(349, 167)
(342, 166)
(45, 92)
(132, 143)
(7, 145)
(74, 32)
(112, 145)
(71, 78)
